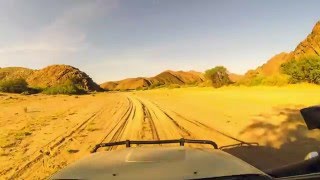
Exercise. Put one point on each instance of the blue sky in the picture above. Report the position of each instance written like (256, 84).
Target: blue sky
(115, 39)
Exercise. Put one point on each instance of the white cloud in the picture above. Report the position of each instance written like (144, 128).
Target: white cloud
(66, 33)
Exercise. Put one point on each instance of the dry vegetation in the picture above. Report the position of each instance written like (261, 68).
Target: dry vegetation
(40, 134)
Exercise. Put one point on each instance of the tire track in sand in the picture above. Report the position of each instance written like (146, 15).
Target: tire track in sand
(117, 130)
(136, 123)
(196, 126)
(53, 146)
(148, 130)
(163, 124)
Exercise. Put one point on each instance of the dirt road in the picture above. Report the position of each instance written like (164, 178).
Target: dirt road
(41, 134)
(118, 117)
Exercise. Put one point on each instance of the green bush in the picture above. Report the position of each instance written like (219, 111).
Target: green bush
(276, 80)
(306, 69)
(67, 88)
(259, 79)
(173, 86)
(256, 80)
(218, 76)
(253, 81)
(32, 90)
(141, 88)
(13, 86)
(35, 90)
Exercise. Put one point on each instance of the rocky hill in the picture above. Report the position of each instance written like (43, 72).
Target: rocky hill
(272, 66)
(130, 83)
(234, 77)
(59, 74)
(177, 77)
(50, 76)
(164, 78)
(14, 73)
(308, 47)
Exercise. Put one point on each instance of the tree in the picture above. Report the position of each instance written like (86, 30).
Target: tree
(306, 69)
(13, 85)
(218, 76)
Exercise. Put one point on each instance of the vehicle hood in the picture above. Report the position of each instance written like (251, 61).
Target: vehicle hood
(157, 163)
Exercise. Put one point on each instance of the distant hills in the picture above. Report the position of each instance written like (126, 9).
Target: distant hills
(165, 78)
(58, 74)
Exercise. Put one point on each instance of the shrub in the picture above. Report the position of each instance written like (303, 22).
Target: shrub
(67, 88)
(32, 90)
(306, 69)
(205, 83)
(155, 85)
(173, 86)
(276, 80)
(192, 83)
(255, 81)
(218, 76)
(140, 88)
(13, 86)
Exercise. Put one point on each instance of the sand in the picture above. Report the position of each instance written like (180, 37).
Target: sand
(41, 134)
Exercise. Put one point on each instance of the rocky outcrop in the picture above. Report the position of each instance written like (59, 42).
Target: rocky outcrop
(177, 77)
(50, 76)
(59, 74)
(310, 46)
(130, 83)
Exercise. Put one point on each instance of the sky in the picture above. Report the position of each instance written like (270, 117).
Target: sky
(116, 39)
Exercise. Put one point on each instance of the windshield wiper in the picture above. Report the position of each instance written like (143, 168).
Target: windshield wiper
(181, 141)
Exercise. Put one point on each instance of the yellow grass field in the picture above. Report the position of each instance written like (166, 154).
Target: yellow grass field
(41, 134)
